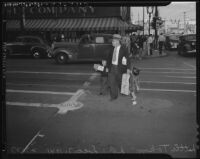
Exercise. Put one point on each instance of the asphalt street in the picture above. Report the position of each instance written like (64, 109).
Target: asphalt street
(54, 108)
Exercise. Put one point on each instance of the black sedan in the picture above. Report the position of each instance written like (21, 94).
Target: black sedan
(28, 45)
(187, 44)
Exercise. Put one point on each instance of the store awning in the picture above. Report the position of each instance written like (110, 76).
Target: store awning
(75, 24)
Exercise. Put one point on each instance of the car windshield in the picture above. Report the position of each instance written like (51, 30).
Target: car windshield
(19, 40)
(174, 37)
(190, 37)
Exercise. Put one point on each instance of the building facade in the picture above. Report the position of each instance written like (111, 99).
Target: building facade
(70, 22)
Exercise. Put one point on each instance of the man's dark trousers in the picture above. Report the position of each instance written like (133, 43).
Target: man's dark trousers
(160, 47)
(115, 78)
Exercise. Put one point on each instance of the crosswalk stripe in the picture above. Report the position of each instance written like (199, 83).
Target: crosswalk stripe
(39, 92)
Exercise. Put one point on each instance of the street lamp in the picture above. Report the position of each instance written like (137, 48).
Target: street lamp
(150, 11)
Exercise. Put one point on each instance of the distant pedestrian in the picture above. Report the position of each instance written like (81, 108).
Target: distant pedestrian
(150, 44)
(126, 42)
(161, 40)
(145, 48)
(134, 46)
(140, 45)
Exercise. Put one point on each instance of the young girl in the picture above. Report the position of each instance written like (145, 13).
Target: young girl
(134, 83)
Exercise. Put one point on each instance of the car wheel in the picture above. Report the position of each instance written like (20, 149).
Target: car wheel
(36, 54)
(61, 58)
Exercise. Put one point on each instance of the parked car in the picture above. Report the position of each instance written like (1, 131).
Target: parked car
(90, 47)
(28, 45)
(171, 41)
(187, 44)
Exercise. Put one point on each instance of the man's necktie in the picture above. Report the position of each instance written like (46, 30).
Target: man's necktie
(114, 55)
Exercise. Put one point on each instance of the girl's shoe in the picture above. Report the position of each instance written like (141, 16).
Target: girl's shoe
(134, 102)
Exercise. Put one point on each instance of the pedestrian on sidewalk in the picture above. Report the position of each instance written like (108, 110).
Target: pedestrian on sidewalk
(126, 42)
(134, 46)
(161, 40)
(118, 63)
(150, 45)
(140, 45)
(145, 48)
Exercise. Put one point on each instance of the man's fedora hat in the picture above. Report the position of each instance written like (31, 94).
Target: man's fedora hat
(117, 36)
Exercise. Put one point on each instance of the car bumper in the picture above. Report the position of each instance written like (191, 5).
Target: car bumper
(191, 51)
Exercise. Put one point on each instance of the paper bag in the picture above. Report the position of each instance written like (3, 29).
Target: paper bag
(98, 67)
(125, 84)
(124, 61)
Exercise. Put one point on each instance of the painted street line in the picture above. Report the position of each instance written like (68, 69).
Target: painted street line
(31, 84)
(168, 90)
(30, 104)
(169, 72)
(182, 77)
(167, 82)
(194, 67)
(54, 73)
(71, 104)
(145, 68)
(30, 142)
(39, 92)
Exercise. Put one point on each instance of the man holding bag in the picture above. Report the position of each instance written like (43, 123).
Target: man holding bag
(118, 63)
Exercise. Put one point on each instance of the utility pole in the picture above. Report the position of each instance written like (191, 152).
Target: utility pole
(184, 15)
(156, 31)
(143, 21)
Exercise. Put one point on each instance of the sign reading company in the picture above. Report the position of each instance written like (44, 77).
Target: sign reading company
(63, 12)
(47, 12)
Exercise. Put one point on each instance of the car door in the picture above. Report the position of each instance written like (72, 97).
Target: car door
(86, 47)
(17, 46)
(29, 43)
(102, 45)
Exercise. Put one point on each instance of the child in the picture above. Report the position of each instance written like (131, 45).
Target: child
(134, 83)
(104, 78)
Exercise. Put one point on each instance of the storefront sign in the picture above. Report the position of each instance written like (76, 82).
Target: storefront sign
(63, 12)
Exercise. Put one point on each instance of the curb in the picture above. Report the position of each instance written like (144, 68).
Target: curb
(156, 54)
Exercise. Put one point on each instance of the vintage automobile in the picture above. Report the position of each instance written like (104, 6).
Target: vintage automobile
(90, 47)
(171, 41)
(187, 44)
(28, 45)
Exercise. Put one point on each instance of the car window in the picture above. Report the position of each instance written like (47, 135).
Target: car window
(19, 40)
(173, 37)
(99, 40)
(32, 40)
(108, 39)
(86, 40)
(190, 37)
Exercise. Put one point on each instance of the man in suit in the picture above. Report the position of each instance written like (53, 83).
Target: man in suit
(118, 62)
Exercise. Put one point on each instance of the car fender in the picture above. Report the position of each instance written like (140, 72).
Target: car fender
(38, 47)
(187, 47)
(65, 51)
(8, 49)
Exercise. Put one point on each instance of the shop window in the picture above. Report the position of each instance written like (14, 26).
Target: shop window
(99, 40)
